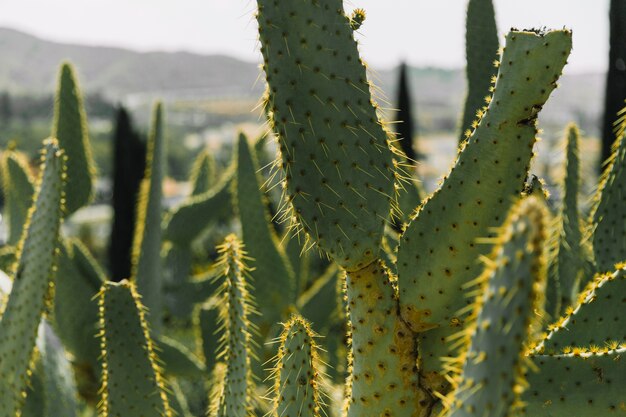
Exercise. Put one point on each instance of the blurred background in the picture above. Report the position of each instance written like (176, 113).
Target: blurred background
(202, 59)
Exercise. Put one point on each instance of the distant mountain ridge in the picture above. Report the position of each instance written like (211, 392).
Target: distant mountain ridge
(29, 65)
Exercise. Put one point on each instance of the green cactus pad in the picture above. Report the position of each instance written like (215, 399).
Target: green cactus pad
(597, 319)
(236, 396)
(337, 165)
(274, 282)
(70, 129)
(481, 50)
(581, 384)
(33, 279)
(18, 192)
(202, 176)
(77, 321)
(146, 252)
(319, 302)
(178, 360)
(438, 251)
(208, 320)
(187, 221)
(300, 260)
(609, 228)
(7, 257)
(297, 379)
(132, 385)
(60, 397)
(567, 267)
(510, 298)
(383, 375)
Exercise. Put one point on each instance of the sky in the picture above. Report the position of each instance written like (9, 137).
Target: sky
(422, 32)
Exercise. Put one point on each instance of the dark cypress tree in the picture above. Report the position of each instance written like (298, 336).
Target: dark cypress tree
(6, 111)
(129, 161)
(405, 128)
(616, 77)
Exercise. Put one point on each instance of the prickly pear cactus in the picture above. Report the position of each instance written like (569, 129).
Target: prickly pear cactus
(33, 277)
(438, 251)
(334, 153)
(235, 398)
(70, 129)
(297, 379)
(132, 384)
(508, 305)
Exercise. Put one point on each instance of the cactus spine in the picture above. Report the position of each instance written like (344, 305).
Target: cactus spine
(234, 399)
(33, 280)
(297, 379)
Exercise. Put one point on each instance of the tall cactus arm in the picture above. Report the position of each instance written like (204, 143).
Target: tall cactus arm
(33, 278)
(511, 294)
(202, 175)
(18, 190)
(60, 397)
(567, 267)
(146, 256)
(597, 320)
(383, 378)
(235, 398)
(77, 320)
(274, 280)
(608, 225)
(337, 165)
(581, 384)
(186, 222)
(70, 129)
(437, 252)
(132, 385)
(481, 50)
(296, 374)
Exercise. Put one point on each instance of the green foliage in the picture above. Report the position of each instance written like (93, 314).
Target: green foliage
(70, 129)
(132, 385)
(568, 251)
(510, 295)
(186, 222)
(77, 322)
(481, 51)
(146, 266)
(202, 175)
(438, 252)
(608, 227)
(274, 280)
(336, 163)
(59, 388)
(296, 374)
(18, 189)
(441, 316)
(584, 384)
(235, 398)
(33, 279)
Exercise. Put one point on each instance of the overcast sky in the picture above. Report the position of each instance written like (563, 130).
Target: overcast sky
(423, 32)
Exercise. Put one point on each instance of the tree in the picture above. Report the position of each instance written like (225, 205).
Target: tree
(129, 160)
